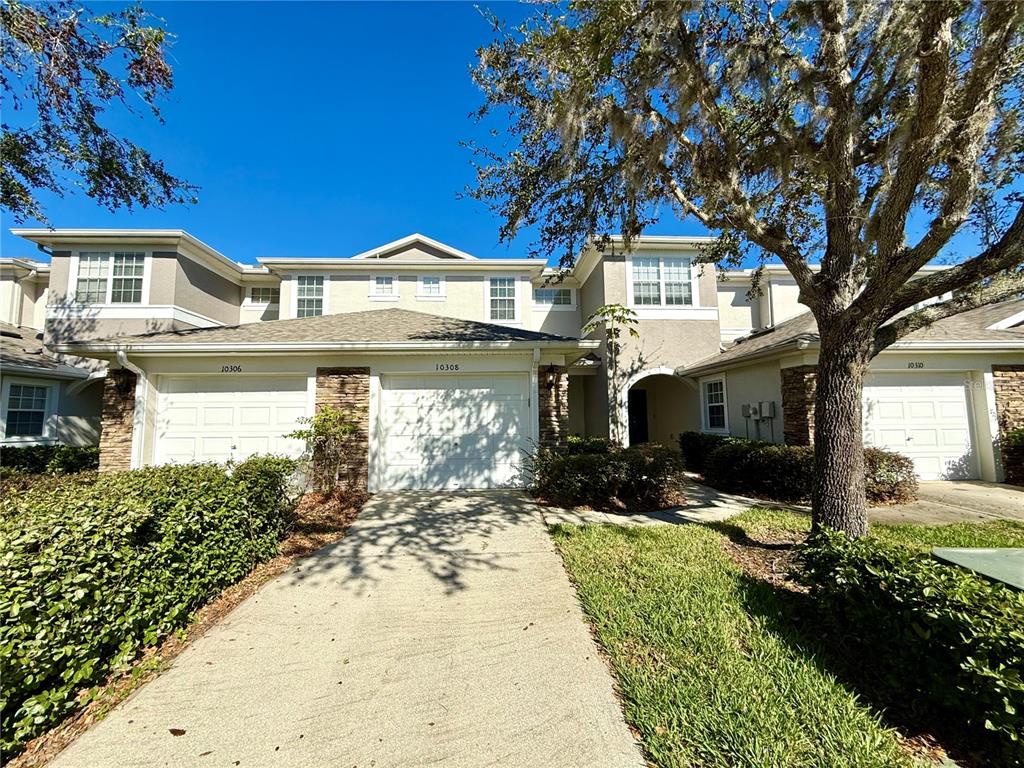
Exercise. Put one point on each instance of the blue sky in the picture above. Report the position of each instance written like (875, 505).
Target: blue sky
(320, 129)
(316, 129)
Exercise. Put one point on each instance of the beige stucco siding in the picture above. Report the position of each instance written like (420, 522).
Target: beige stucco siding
(60, 269)
(737, 315)
(202, 290)
(79, 419)
(753, 384)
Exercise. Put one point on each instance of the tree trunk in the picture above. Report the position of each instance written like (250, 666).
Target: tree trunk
(838, 500)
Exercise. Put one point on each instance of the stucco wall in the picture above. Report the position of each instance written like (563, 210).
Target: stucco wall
(577, 405)
(8, 297)
(737, 315)
(78, 420)
(672, 407)
(202, 290)
(750, 384)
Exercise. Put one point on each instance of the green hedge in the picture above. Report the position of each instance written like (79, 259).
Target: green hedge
(50, 459)
(930, 636)
(786, 472)
(635, 477)
(91, 574)
(1013, 456)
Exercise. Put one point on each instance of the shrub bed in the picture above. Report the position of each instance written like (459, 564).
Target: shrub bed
(786, 472)
(92, 573)
(1013, 456)
(605, 476)
(941, 641)
(50, 459)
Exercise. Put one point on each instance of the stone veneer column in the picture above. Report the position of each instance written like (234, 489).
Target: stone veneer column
(117, 419)
(553, 402)
(798, 386)
(348, 390)
(1008, 382)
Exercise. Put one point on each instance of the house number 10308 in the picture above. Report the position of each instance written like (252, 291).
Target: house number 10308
(446, 367)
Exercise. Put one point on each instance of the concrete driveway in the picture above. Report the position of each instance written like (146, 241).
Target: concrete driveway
(940, 502)
(441, 631)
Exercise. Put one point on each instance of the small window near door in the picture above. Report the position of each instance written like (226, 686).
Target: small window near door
(713, 395)
(309, 294)
(26, 411)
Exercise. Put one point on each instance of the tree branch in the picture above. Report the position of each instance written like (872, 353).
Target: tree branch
(998, 289)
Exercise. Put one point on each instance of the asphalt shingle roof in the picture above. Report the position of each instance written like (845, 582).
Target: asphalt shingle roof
(380, 325)
(967, 326)
(24, 347)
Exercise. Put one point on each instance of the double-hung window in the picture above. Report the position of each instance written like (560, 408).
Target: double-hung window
(110, 278)
(502, 298)
(26, 410)
(383, 287)
(553, 297)
(264, 294)
(662, 281)
(429, 287)
(713, 392)
(309, 296)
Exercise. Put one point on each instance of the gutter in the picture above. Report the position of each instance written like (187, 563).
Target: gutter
(120, 349)
(122, 359)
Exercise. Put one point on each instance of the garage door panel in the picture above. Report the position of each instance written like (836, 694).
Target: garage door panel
(926, 420)
(452, 431)
(209, 419)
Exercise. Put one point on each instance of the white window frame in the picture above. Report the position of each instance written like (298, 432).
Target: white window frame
(325, 299)
(517, 318)
(692, 311)
(250, 302)
(541, 307)
(49, 414)
(73, 270)
(374, 295)
(704, 427)
(442, 288)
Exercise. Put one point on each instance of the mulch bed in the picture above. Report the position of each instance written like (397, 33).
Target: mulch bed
(319, 521)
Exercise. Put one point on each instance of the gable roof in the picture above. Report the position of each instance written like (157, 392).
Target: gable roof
(21, 350)
(404, 243)
(379, 329)
(977, 326)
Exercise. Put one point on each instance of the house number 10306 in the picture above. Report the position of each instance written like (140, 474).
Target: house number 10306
(446, 367)
(231, 369)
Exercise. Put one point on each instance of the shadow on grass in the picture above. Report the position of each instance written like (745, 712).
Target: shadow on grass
(790, 616)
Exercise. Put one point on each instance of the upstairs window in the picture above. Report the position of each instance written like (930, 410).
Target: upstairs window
(662, 281)
(26, 410)
(264, 294)
(553, 297)
(383, 287)
(502, 298)
(309, 301)
(714, 404)
(92, 278)
(429, 286)
(110, 278)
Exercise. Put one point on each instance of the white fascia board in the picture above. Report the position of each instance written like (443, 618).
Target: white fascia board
(57, 237)
(405, 265)
(1007, 322)
(321, 346)
(956, 346)
(62, 372)
(416, 237)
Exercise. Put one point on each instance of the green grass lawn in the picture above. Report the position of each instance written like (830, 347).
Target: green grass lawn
(709, 661)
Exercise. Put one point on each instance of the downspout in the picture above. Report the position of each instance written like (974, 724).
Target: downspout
(139, 412)
(534, 397)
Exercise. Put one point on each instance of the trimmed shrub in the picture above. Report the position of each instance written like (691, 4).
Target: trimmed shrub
(92, 573)
(577, 444)
(942, 642)
(634, 477)
(786, 472)
(696, 447)
(772, 470)
(1013, 456)
(50, 459)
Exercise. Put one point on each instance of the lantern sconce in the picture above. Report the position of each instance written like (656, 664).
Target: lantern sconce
(550, 376)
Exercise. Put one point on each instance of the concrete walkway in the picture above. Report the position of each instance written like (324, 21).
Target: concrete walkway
(441, 631)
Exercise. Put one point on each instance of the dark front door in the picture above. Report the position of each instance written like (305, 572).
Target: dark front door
(637, 416)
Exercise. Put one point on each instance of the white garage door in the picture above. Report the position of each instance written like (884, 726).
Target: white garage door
(217, 419)
(454, 431)
(925, 417)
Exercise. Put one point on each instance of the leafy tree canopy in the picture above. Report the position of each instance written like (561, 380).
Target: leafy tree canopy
(61, 67)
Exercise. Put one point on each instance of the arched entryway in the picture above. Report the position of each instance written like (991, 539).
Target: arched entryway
(656, 406)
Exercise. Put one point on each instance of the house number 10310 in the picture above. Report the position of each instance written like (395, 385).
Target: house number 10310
(446, 367)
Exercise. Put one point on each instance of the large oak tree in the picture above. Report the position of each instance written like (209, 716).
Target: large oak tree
(62, 67)
(849, 140)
